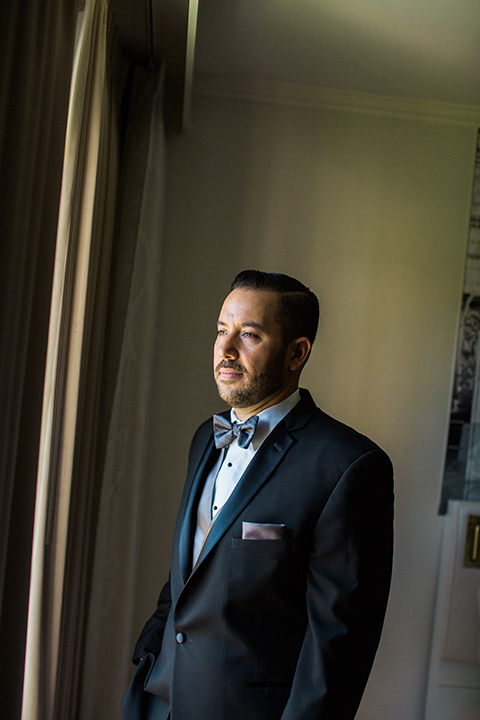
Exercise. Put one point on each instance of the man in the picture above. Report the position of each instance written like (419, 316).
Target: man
(282, 551)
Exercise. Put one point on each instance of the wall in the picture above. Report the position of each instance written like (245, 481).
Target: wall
(371, 211)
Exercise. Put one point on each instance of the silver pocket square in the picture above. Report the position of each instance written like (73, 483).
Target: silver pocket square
(263, 531)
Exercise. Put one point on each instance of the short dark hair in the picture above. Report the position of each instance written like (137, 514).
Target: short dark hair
(298, 308)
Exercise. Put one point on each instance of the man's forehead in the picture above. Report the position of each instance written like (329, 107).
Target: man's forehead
(250, 306)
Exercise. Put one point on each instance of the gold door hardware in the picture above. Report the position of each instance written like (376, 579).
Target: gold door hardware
(472, 544)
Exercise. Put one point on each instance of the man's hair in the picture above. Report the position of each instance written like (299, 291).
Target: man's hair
(297, 310)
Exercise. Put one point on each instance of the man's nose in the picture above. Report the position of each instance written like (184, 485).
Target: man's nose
(227, 348)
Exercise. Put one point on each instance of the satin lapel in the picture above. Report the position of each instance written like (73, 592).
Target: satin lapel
(256, 475)
(189, 516)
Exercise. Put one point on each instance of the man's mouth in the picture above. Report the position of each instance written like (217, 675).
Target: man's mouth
(228, 371)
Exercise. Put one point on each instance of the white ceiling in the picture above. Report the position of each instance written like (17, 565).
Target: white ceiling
(423, 49)
(426, 49)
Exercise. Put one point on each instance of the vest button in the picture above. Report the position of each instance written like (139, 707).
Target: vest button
(180, 638)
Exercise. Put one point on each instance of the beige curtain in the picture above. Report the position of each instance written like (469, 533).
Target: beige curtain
(129, 371)
(74, 360)
(37, 49)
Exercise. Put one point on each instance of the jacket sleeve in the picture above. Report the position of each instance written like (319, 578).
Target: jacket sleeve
(347, 590)
(151, 637)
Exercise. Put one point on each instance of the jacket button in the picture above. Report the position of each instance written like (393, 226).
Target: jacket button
(180, 638)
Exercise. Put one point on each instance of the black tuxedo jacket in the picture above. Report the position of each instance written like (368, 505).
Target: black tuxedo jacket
(282, 628)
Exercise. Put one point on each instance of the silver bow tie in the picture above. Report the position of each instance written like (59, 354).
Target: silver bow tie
(226, 431)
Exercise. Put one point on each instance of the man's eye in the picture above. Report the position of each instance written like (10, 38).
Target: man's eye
(250, 335)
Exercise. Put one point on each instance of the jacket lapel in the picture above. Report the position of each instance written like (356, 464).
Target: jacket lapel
(188, 514)
(256, 475)
(258, 472)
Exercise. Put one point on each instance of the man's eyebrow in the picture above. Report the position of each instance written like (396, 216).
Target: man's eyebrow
(248, 323)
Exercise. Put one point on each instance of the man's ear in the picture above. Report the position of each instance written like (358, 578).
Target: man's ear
(299, 350)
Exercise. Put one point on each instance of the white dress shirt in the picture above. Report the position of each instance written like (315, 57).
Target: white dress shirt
(231, 465)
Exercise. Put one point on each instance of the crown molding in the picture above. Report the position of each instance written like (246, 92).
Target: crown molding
(343, 100)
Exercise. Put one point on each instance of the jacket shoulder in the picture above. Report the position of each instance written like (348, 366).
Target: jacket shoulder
(200, 439)
(327, 435)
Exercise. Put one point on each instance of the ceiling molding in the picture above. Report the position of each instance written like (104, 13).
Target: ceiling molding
(344, 100)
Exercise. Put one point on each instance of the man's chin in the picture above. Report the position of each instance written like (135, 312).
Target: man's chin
(225, 394)
(230, 395)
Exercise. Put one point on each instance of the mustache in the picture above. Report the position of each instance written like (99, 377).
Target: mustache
(230, 364)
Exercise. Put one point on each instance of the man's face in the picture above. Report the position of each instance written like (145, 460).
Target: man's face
(250, 358)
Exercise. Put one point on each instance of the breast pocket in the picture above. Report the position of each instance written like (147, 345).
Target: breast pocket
(260, 569)
(281, 545)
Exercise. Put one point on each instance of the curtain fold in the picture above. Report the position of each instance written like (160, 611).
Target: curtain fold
(37, 41)
(74, 357)
(129, 369)
(99, 367)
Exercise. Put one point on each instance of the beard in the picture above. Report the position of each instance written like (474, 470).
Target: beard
(259, 386)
